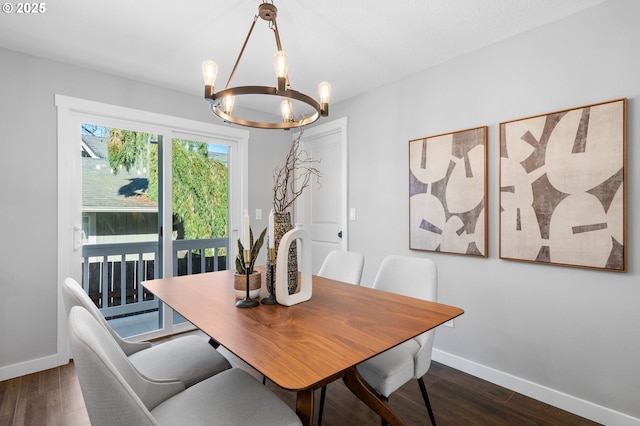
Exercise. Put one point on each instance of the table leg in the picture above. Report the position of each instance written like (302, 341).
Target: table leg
(365, 393)
(304, 406)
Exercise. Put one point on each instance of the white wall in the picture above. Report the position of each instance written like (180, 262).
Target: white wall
(28, 189)
(572, 330)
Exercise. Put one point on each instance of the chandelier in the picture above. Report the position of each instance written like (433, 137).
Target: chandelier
(222, 102)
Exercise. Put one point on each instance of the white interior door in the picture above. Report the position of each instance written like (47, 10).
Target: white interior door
(322, 210)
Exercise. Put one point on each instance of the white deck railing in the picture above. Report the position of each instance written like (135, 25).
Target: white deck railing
(103, 272)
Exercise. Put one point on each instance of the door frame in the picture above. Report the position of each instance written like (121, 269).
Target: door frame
(336, 126)
(74, 111)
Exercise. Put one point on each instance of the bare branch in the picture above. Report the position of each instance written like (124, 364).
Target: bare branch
(290, 180)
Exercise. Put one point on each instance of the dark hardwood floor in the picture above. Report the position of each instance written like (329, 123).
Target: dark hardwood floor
(53, 397)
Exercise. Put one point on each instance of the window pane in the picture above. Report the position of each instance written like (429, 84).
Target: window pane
(200, 207)
(120, 223)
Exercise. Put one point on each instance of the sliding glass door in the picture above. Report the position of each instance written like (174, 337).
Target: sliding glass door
(147, 196)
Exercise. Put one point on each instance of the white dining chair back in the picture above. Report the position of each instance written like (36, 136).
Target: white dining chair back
(188, 358)
(413, 277)
(74, 295)
(341, 265)
(116, 393)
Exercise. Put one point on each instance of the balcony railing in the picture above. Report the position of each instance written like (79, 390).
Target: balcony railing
(112, 273)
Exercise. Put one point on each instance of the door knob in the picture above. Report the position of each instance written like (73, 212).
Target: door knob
(340, 234)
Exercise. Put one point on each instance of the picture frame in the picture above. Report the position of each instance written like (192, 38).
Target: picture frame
(562, 187)
(448, 193)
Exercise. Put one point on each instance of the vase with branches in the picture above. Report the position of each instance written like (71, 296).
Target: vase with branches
(289, 182)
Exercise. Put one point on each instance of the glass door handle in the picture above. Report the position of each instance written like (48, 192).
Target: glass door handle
(78, 237)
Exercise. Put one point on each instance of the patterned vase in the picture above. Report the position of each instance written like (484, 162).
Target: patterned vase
(282, 225)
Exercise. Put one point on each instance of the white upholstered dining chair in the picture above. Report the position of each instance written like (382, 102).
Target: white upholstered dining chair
(189, 359)
(115, 392)
(413, 277)
(341, 265)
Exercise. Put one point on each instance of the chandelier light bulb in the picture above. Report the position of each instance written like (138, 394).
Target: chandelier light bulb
(287, 110)
(209, 72)
(227, 104)
(281, 63)
(324, 90)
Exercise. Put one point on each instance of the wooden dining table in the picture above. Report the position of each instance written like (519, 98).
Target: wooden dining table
(305, 346)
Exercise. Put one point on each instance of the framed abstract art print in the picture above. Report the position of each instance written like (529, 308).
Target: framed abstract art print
(447, 192)
(563, 187)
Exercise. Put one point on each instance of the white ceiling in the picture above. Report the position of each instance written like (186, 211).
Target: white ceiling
(355, 45)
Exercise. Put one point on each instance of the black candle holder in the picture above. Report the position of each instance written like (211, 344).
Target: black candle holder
(271, 298)
(247, 302)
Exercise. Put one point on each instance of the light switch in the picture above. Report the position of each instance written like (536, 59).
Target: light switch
(258, 214)
(352, 213)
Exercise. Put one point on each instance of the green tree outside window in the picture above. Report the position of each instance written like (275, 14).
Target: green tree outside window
(200, 184)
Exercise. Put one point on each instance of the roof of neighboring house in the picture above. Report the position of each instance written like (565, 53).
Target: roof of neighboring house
(104, 191)
(95, 146)
(107, 192)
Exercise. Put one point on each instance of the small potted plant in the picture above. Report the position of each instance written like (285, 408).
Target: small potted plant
(240, 278)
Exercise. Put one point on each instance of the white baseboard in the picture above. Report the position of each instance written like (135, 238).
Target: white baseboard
(28, 367)
(580, 407)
